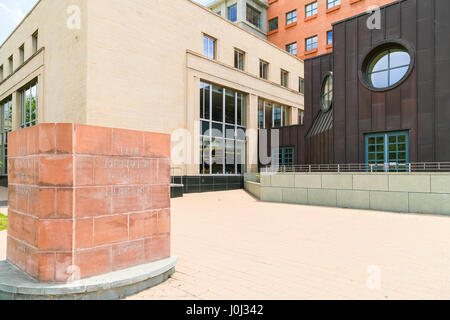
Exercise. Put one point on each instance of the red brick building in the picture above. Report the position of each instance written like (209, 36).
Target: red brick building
(303, 27)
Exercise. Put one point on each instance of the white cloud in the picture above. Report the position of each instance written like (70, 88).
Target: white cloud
(17, 15)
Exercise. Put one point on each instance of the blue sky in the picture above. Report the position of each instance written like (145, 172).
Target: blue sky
(13, 11)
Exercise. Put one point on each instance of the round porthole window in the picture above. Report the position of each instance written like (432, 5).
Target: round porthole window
(387, 66)
(327, 92)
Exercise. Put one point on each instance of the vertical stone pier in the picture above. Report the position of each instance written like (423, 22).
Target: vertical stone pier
(87, 201)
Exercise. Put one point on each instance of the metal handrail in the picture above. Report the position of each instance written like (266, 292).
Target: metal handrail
(360, 167)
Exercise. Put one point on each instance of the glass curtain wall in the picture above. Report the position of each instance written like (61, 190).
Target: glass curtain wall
(223, 114)
(5, 127)
(273, 115)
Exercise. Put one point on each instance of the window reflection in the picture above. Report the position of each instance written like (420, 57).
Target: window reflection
(388, 67)
(223, 139)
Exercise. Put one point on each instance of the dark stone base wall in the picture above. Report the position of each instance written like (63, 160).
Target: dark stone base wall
(199, 184)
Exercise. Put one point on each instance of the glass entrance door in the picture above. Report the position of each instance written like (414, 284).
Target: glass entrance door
(388, 151)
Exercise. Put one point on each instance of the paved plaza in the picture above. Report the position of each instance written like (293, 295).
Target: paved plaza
(232, 246)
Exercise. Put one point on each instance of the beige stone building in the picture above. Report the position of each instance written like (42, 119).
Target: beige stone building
(250, 15)
(163, 66)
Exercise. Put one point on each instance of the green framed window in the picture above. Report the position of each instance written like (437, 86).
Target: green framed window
(388, 151)
(286, 156)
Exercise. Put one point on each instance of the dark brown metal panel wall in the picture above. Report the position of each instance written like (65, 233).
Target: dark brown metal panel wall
(339, 94)
(421, 104)
(442, 78)
(425, 79)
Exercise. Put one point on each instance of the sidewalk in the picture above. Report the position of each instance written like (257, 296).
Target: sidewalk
(234, 247)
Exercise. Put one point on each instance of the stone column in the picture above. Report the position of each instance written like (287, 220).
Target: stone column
(86, 201)
(252, 134)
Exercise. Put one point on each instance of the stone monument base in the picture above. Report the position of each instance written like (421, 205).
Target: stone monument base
(17, 285)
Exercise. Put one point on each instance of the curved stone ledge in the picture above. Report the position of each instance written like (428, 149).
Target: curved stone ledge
(15, 284)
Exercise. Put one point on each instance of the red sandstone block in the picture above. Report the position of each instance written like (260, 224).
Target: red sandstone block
(46, 267)
(14, 143)
(16, 253)
(128, 198)
(32, 134)
(22, 194)
(92, 201)
(54, 235)
(143, 171)
(22, 170)
(46, 138)
(143, 225)
(111, 171)
(64, 203)
(32, 266)
(93, 140)
(157, 248)
(64, 138)
(128, 254)
(147, 204)
(55, 170)
(42, 202)
(163, 171)
(128, 143)
(15, 224)
(110, 229)
(63, 272)
(164, 221)
(84, 170)
(84, 233)
(17, 143)
(29, 230)
(156, 145)
(160, 196)
(93, 262)
(12, 197)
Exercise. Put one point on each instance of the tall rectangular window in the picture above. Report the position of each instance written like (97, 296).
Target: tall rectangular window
(223, 139)
(239, 58)
(284, 78)
(22, 54)
(292, 48)
(2, 75)
(291, 17)
(253, 16)
(329, 37)
(5, 127)
(11, 64)
(333, 3)
(311, 43)
(273, 24)
(209, 47)
(35, 40)
(263, 70)
(301, 85)
(311, 9)
(272, 115)
(29, 105)
(301, 117)
(232, 13)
